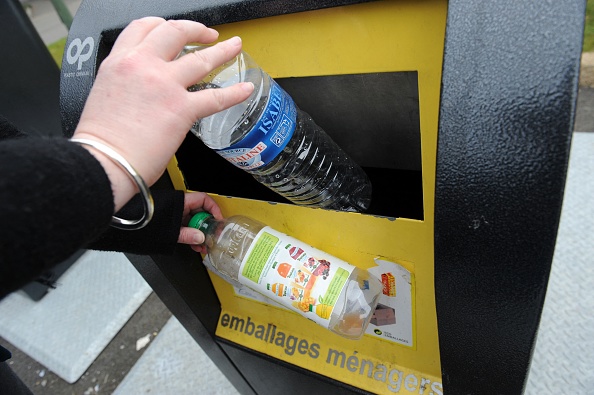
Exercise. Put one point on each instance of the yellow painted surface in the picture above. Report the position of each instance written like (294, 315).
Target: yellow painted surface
(381, 36)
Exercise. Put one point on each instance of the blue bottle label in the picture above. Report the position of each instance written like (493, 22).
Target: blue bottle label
(269, 136)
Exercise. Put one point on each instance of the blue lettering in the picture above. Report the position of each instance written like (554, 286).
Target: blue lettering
(266, 125)
(271, 115)
(257, 149)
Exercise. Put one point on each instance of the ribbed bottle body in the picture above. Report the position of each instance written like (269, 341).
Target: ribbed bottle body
(314, 171)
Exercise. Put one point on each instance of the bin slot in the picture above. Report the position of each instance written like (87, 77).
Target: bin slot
(374, 117)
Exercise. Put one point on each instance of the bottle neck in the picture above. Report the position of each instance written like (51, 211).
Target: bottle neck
(207, 224)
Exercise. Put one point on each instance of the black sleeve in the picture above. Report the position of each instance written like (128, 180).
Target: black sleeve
(55, 199)
(8, 130)
(158, 237)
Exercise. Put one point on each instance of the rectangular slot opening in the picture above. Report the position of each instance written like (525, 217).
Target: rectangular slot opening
(374, 118)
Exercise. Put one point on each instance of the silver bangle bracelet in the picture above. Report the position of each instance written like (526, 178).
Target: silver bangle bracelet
(148, 202)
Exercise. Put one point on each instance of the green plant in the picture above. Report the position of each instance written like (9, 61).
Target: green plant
(589, 27)
(57, 50)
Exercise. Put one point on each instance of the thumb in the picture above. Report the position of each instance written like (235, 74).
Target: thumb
(190, 236)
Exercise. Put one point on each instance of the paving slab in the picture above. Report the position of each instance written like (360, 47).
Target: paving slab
(564, 353)
(584, 115)
(70, 326)
(175, 364)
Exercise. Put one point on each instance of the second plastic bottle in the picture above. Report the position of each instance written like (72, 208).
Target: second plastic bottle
(321, 287)
(281, 146)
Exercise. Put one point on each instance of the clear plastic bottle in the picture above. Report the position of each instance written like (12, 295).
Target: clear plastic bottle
(321, 287)
(282, 147)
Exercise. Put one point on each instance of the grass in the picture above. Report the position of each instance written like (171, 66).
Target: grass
(589, 28)
(57, 48)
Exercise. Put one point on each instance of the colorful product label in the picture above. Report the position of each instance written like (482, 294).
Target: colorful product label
(389, 284)
(269, 136)
(300, 277)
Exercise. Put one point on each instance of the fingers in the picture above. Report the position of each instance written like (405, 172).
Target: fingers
(210, 101)
(135, 32)
(212, 207)
(167, 39)
(196, 65)
(163, 38)
(195, 202)
(190, 236)
(200, 249)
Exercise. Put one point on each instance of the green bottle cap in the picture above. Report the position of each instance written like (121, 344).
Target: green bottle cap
(198, 219)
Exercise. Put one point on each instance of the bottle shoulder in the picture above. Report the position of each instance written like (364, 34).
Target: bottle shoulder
(245, 221)
(227, 127)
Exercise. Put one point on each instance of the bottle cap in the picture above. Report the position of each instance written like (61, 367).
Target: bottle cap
(198, 219)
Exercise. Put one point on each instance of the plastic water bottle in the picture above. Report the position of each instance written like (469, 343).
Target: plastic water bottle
(268, 136)
(321, 287)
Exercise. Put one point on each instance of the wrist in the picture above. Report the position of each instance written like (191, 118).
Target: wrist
(122, 191)
(122, 186)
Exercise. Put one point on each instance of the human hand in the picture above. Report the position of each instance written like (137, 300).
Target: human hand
(139, 104)
(195, 202)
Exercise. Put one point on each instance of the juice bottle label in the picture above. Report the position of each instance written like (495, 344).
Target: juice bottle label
(269, 136)
(296, 275)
